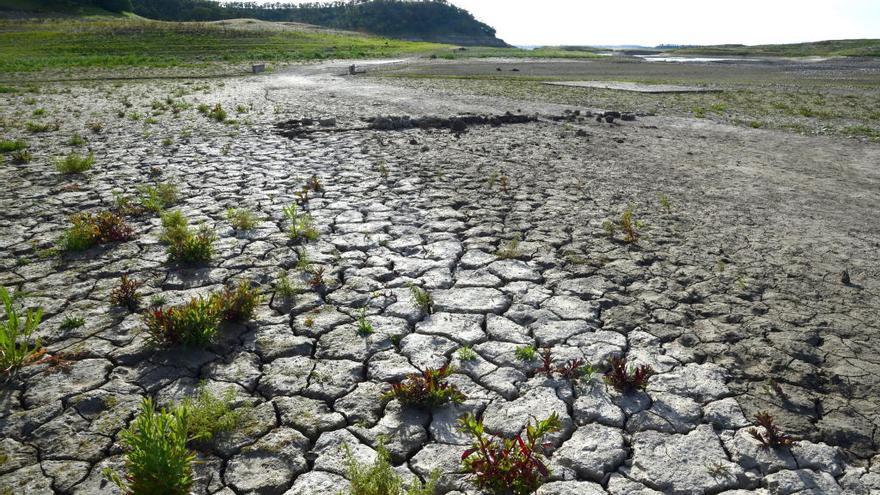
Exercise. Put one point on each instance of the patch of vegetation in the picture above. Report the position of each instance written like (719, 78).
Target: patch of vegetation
(421, 299)
(7, 145)
(76, 140)
(627, 379)
(175, 227)
(239, 303)
(192, 324)
(301, 227)
(125, 294)
(75, 163)
(526, 353)
(191, 247)
(380, 478)
(157, 198)
(72, 322)
(427, 389)
(507, 465)
(627, 224)
(208, 415)
(364, 327)
(771, 437)
(40, 127)
(22, 156)
(511, 249)
(217, 113)
(16, 345)
(466, 353)
(573, 370)
(157, 459)
(285, 288)
(88, 230)
(830, 48)
(241, 218)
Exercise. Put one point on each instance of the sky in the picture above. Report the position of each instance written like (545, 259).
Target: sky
(653, 22)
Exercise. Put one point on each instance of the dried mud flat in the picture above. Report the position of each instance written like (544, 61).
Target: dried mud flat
(733, 294)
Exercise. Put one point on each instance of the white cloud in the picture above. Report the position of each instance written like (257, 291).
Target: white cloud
(651, 22)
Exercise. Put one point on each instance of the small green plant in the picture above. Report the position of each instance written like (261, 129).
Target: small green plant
(75, 163)
(38, 127)
(301, 227)
(175, 227)
(217, 113)
(72, 322)
(364, 327)
(238, 303)
(626, 379)
(627, 224)
(421, 299)
(7, 145)
(209, 415)
(22, 156)
(157, 459)
(427, 389)
(195, 247)
(76, 140)
(771, 437)
(505, 466)
(38, 112)
(511, 249)
(665, 204)
(191, 324)
(380, 478)
(467, 354)
(525, 353)
(88, 230)
(125, 294)
(241, 218)
(284, 288)
(157, 198)
(15, 334)
(97, 127)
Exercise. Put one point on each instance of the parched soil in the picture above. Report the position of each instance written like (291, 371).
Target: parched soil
(733, 292)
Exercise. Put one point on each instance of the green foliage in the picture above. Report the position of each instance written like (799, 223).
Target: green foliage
(239, 303)
(7, 145)
(157, 459)
(507, 466)
(665, 204)
(209, 415)
(627, 224)
(174, 227)
(76, 140)
(285, 288)
(427, 389)
(75, 163)
(241, 218)
(157, 198)
(125, 294)
(15, 334)
(217, 113)
(22, 156)
(466, 353)
(301, 227)
(71, 322)
(364, 327)
(38, 127)
(193, 248)
(511, 249)
(88, 230)
(380, 478)
(526, 353)
(421, 299)
(192, 324)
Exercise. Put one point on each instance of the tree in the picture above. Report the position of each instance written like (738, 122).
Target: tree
(115, 5)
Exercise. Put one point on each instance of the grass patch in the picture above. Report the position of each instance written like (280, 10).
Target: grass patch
(88, 230)
(7, 145)
(380, 478)
(241, 218)
(75, 163)
(16, 347)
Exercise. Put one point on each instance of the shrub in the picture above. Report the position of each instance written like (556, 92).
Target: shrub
(217, 113)
(285, 288)
(71, 322)
(427, 389)
(157, 459)
(193, 248)
(174, 227)
(421, 299)
(10, 145)
(525, 353)
(239, 303)
(507, 465)
(209, 415)
(627, 224)
(125, 294)
(466, 353)
(625, 378)
(75, 164)
(36, 127)
(15, 334)
(380, 478)
(511, 249)
(572, 370)
(772, 436)
(191, 324)
(22, 156)
(157, 198)
(364, 327)
(301, 227)
(88, 230)
(241, 219)
(76, 140)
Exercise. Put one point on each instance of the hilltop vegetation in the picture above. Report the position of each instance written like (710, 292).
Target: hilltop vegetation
(830, 48)
(64, 43)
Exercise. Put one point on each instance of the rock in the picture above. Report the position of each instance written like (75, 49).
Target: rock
(508, 418)
(725, 414)
(286, 376)
(570, 488)
(802, 481)
(514, 270)
(479, 300)
(818, 457)
(465, 329)
(750, 454)
(308, 416)
(315, 482)
(668, 413)
(592, 451)
(596, 406)
(268, 466)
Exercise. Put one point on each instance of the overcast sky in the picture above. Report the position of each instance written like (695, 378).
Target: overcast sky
(652, 22)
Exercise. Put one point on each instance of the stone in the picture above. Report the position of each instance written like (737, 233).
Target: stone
(475, 300)
(462, 328)
(592, 451)
(802, 481)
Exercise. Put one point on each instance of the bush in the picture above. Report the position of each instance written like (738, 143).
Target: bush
(125, 294)
(191, 324)
(157, 198)
(427, 389)
(209, 415)
(238, 304)
(174, 227)
(75, 164)
(772, 437)
(8, 145)
(301, 227)
(627, 224)
(22, 156)
(507, 465)
(193, 247)
(380, 478)
(241, 219)
(88, 230)
(217, 113)
(627, 379)
(15, 335)
(157, 459)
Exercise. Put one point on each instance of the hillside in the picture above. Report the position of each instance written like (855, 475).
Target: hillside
(829, 48)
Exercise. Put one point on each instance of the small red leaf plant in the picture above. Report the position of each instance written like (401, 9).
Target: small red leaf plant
(125, 294)
(573, 369)
(427, 389)
(625, 378)
(509, 466)
(772, 437)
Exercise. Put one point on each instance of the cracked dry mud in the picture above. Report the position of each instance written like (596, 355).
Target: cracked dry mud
(733, 295)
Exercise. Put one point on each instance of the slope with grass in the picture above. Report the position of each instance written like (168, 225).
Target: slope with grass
(828, 48)
(40, 44)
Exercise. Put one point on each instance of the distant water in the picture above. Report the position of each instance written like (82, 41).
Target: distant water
(692, 60)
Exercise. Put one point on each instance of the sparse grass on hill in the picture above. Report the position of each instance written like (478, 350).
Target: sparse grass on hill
(27, 46)
(829, 48)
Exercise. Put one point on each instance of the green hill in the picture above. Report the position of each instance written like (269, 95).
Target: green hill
(829, 48)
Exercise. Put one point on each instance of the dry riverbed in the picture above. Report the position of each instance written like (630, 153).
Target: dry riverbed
(733, 293)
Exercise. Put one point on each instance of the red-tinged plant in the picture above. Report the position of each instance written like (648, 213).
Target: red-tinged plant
(125, 294)
(191, 324)
(573, 369)
(427, 389)
(112, 227)
(507, 465)
(238, 303)
(772, 436)
(625, 378)
(546, 367)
